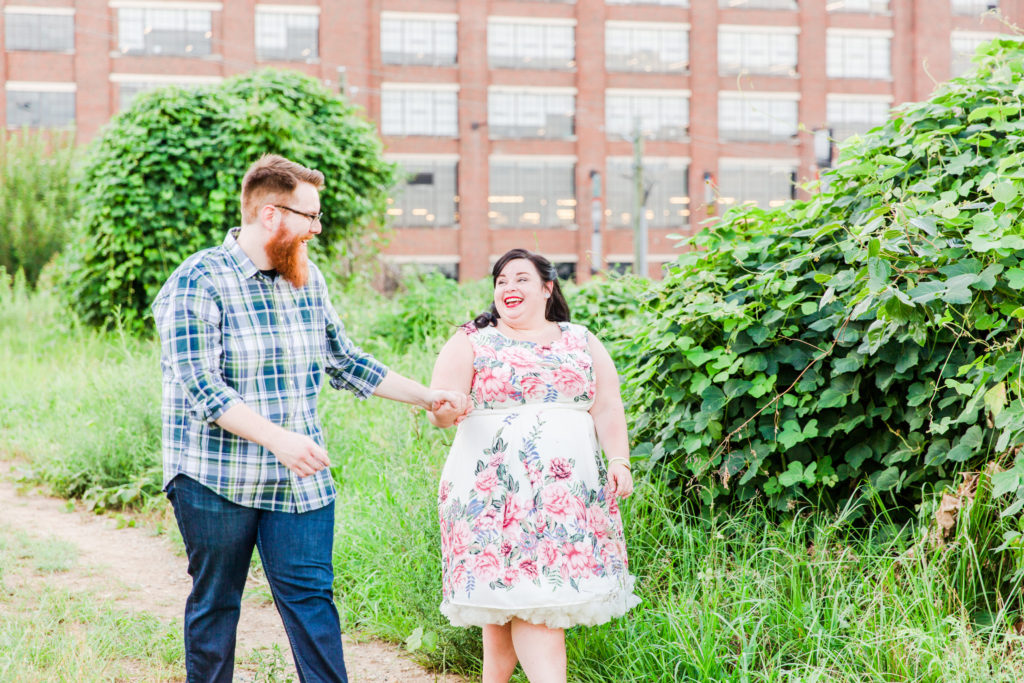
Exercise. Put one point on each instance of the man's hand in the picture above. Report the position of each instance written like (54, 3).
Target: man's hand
(299, 453)
(448, 407)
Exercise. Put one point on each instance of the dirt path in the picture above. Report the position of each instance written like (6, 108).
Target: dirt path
(141, 572)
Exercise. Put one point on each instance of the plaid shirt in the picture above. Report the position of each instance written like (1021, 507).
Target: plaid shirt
(230, 334)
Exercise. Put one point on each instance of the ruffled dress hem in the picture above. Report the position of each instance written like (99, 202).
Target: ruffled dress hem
(591, 612)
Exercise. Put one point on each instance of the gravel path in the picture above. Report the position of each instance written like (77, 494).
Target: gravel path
(139, 571)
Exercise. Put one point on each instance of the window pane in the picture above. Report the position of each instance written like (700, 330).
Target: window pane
(532, 194)
(666, 184)
(657, 116)
(531, 114)
(530, 46)
(39, 109)
(646, 49)
(763, 185)
(164, 32)
(756, 118)
(425, 41)
(419, 112)
(426, 198)
(51, 32)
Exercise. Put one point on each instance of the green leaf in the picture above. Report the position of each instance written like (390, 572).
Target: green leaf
(885, 479)
(1005, 482)
(1005, 192)
(995, 399)
(714, 399)
(1015, 278)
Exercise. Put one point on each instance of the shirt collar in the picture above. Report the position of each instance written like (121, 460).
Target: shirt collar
(238, 255)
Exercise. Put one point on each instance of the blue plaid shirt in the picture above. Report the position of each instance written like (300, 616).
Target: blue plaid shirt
(231, 334)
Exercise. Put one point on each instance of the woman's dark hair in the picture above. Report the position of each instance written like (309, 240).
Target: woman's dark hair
(557, 309)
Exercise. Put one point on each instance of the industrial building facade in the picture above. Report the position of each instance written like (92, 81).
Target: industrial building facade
(524, 123)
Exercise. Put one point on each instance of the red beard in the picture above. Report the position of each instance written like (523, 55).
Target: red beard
(288, 257)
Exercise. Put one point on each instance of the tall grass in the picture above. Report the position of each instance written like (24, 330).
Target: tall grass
(741, 595)
(37, 198)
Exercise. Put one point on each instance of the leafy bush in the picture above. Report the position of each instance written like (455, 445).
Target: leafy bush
(428, 309)
(162, 180)
(873, 331)
(608, 308)
(37, 199)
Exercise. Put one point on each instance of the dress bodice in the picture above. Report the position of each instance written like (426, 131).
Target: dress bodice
(509, 372)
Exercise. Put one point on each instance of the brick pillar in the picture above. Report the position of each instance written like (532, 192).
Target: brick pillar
(236, 40)
(4, 77)
(93, 43)
(813, 83)
(473, 180)
(345, 41)
(704, 99)
(590, 134)
(931, 30)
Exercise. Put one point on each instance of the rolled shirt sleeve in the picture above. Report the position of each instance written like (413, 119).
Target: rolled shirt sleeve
(188, 320)
(347, 365)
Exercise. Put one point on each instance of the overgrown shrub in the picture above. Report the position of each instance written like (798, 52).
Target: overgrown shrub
(429, 308)
(162, 180)
(609, 308)
(873, 331)
(37, 199)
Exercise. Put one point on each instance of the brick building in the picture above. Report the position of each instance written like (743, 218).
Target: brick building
(516, 120)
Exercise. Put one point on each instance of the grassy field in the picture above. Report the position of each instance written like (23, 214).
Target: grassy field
(741, 597)
(53, 634)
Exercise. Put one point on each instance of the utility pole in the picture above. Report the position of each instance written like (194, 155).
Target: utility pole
(639, 203)
(596, 214)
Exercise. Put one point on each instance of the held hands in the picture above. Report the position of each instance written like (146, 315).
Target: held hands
(300, 454)
(620, 480)
(448, 407)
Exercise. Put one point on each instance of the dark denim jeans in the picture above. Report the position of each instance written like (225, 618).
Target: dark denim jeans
(296, 553)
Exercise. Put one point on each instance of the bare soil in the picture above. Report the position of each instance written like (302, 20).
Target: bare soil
(140, 571)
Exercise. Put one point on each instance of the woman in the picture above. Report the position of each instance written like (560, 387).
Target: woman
(531, 536)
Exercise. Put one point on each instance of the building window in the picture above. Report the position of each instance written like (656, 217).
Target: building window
(548, 114)
(129, 89)
(517, 44)
(419, 111)
(653, 48)
(43, 105)
(757, 51)
(665, 182)
(287, 35)
(869, 6)
(858, 54)
(852, 115)
(176, 32)
(658, 115)
(532, 193)
(669, 3)
(762, 182)
(427, 197)
(46, 29)
(756, 116)
(427, 40)
(974, 7)
(964, 44)
(757, 4)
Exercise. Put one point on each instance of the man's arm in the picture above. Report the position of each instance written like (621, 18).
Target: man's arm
(399, 388)
(188, 322)
(297, 452)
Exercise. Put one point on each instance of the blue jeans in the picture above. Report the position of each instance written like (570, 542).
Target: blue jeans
(296, 552)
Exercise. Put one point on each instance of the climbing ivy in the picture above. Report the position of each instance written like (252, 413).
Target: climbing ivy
(872, 332)
(162, 180)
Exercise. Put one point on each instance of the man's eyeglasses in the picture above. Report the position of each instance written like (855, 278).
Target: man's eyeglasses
(313, 217)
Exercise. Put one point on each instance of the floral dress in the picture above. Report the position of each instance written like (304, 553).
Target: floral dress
(528, 528)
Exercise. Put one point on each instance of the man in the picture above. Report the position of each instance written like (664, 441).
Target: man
(247, 332)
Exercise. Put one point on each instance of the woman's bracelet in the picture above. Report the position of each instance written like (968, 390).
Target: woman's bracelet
(623, 461)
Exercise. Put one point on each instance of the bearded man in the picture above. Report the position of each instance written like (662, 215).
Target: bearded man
(247, 332)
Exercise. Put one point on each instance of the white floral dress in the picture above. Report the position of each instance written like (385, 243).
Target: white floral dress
(528, 528)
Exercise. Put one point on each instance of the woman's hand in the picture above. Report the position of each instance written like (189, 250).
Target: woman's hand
(620, 480)
(449, 407)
